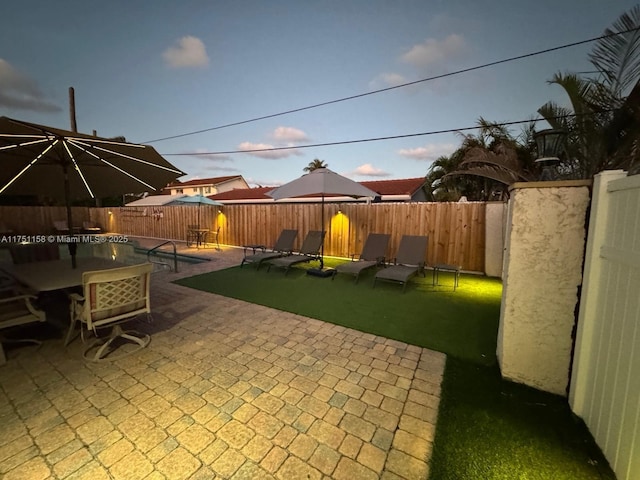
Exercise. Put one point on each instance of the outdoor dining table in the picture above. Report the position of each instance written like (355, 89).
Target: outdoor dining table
(53, 275)
(199, 234)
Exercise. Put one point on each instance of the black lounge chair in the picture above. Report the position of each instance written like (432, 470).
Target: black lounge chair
(310, 250)
(410, 260)
(373, 254)
(283, 246)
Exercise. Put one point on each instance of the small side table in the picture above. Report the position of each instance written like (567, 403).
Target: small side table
(442, 267)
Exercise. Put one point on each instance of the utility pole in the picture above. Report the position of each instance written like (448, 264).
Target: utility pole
(72, 110)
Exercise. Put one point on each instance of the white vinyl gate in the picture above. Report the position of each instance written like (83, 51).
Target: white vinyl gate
(605, 384)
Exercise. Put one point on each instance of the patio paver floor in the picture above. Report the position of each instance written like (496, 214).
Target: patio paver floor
(226, 389)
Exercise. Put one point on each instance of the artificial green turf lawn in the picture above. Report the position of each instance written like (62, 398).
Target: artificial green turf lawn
(491, 429)
(488, 428)
(462, 323)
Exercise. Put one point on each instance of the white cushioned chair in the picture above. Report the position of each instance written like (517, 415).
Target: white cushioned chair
(109, 298)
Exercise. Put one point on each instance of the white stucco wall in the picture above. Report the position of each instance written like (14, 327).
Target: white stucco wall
(543, 270)
(494, 238)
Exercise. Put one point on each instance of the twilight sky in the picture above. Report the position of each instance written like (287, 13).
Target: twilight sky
(155, 69)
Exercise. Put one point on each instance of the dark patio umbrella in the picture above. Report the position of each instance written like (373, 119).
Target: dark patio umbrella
(50, 162)
(323, 182)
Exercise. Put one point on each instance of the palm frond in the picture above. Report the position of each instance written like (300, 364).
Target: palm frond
(492, 172)
(618, 56)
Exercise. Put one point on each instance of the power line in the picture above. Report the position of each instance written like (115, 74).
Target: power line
(403, 85)
(375, 139)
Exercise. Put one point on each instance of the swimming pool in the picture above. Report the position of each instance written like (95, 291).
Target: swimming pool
(131, 253)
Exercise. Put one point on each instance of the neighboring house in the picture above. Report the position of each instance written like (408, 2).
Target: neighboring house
(206, 186)
(401, 190)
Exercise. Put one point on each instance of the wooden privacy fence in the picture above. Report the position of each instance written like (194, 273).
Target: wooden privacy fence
(456, 230)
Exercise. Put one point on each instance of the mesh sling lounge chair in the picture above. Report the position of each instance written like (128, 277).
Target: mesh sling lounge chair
(310, 250)
(373, 253)
(283, 246)
(409, 261)
(109, 298)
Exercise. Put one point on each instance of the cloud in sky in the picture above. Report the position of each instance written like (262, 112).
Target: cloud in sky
(387, 80)
(200, 153)
(433, 51)
(428, 56)
(274, 154)
(368, 170)
(217, 168)
(19, 92)
(289, 134)
(188, 52)
(429, 152)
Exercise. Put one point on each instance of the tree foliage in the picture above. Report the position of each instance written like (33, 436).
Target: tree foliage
(314, 165)
(602, 122)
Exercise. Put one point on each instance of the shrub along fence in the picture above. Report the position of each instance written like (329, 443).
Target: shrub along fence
(456, 230)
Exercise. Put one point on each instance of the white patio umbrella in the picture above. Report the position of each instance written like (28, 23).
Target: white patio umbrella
(199, 200)
(50, 162)
(323, 182)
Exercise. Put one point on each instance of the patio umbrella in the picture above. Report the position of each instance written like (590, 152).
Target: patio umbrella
(323, 182)
(197, 199)
(50, 162)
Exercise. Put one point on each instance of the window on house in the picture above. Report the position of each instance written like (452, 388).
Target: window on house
(207, 189)
(179, 190)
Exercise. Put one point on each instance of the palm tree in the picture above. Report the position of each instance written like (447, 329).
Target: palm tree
(485, 164)
(602, 124)
(315, 164)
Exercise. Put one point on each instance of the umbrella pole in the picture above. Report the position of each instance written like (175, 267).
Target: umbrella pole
(67, 196)
(322, 230)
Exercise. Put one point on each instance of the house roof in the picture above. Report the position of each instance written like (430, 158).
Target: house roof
(402, 186)
(202, 181)
(386, 188)
(155, 200)
(258, 193)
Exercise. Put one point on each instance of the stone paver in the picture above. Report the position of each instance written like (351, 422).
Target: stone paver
(225, 389)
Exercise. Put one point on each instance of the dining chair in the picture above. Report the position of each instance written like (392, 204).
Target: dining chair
(111, 297)
(17, 309)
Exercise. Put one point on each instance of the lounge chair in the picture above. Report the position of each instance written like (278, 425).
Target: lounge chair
(109, 298)
(283, 246)
(310, 250)
(409, 261)
(373, 253)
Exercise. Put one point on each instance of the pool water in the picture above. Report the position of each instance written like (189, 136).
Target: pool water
(131, 253)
